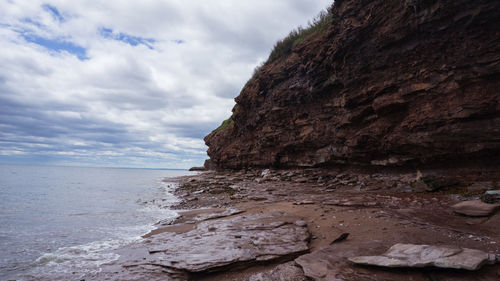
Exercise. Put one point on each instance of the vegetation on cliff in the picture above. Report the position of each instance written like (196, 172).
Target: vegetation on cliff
(225, 124)
(284, 46)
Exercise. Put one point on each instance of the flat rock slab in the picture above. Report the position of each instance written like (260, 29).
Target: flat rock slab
(208, 214)
(214, 245)
(219, 243)
(194, 216)
(352, 202)
(150, 272)
(410, 255)
(475, 208)
(330, 263)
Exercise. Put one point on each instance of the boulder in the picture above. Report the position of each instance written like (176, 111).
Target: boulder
(475, 208)
(330, 263)
(409, 255)
(480, 186)
(434, 183)
(491, 196)
(265, 173)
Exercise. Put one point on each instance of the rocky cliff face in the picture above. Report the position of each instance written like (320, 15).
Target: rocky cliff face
(387, 82)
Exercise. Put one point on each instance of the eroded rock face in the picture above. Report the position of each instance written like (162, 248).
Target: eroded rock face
(388, 82)
(409, 255)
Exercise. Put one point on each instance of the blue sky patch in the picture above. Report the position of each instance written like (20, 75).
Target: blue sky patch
(128, 39)
(57, 45)
(54, 12)
(32, 22)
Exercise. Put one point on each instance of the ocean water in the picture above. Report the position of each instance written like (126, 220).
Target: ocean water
(64, 222)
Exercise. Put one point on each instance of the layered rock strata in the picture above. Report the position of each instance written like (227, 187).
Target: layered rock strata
(386, 82)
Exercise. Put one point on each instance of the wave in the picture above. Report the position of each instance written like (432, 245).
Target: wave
(75, 262)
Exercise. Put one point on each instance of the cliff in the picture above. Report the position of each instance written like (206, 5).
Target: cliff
(384, 82)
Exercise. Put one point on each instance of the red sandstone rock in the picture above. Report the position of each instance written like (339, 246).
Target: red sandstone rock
(388, 82)
(475, 208)
(409, 255)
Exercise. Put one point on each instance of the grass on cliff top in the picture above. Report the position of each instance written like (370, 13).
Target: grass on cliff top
(284, 46)
(225, 124)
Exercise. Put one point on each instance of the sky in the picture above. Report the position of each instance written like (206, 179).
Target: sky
(129, 83)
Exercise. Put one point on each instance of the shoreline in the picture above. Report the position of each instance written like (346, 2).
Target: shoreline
(68, 221)
(374, 210)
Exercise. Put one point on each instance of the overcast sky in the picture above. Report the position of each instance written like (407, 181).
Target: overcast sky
(129, 83)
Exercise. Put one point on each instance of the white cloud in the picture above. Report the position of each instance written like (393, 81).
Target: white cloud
(127, 101)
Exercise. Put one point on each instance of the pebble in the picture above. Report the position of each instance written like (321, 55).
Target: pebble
(300, 223)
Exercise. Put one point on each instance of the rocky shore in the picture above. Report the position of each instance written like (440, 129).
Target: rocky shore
(380, 126)
(306, 225)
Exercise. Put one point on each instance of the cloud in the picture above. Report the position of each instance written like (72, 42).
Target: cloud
(129, 83)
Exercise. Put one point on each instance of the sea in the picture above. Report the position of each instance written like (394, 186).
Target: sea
(61, 223)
